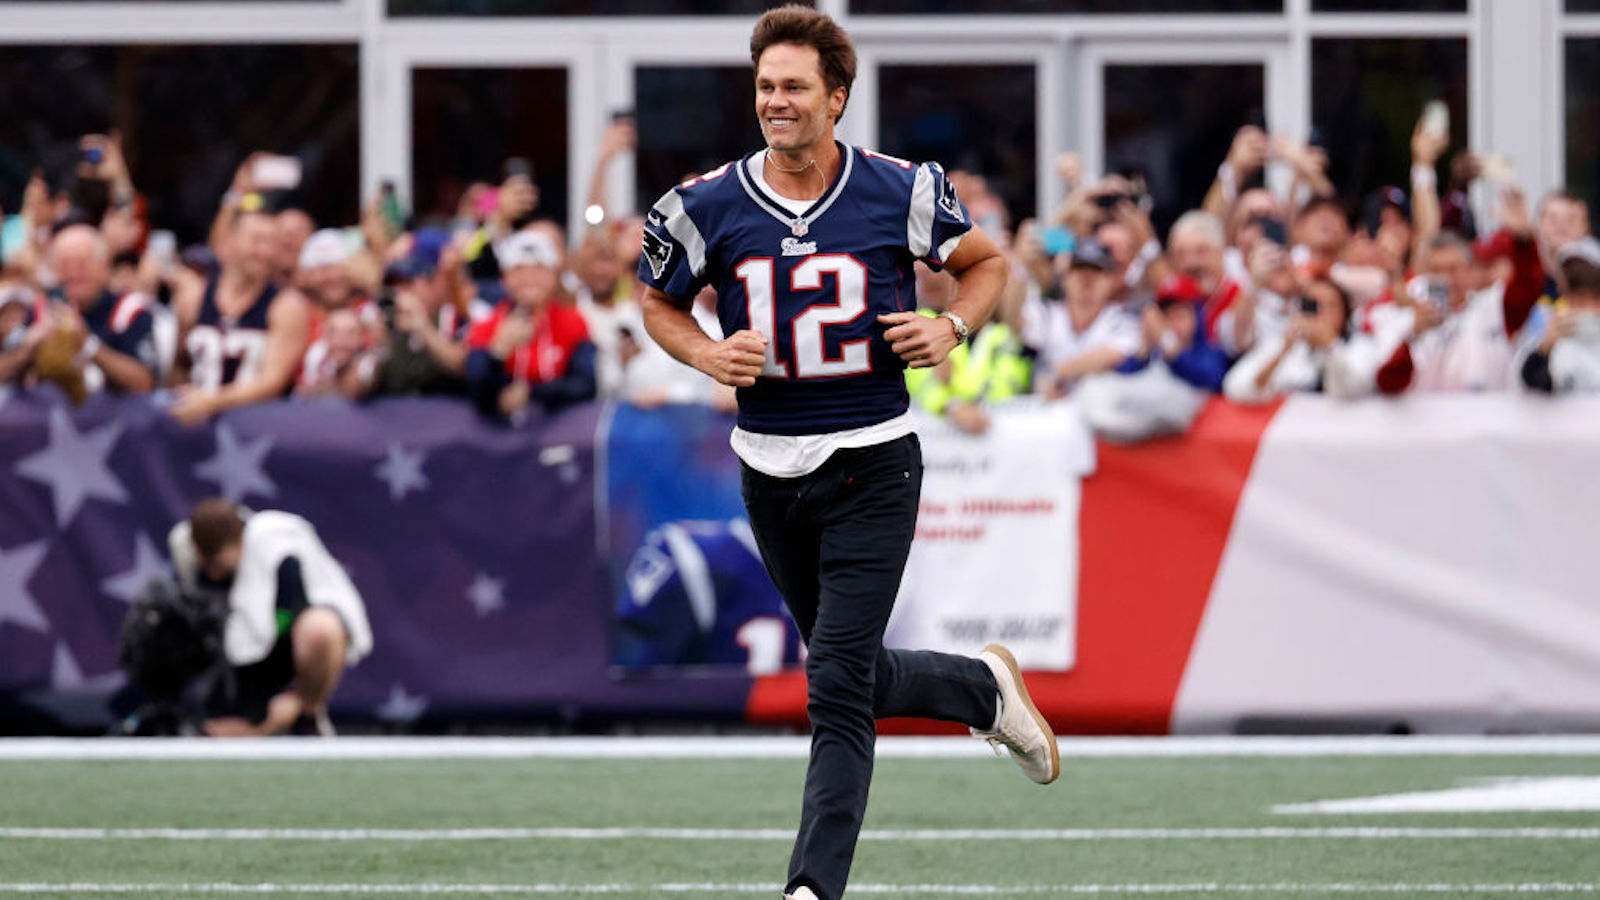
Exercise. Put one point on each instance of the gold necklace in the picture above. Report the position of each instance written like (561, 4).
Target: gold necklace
(774, 163)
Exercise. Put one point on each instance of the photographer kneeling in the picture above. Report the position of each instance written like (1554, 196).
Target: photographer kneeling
(294, 619)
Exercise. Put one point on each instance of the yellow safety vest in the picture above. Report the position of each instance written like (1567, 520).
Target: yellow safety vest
(990, 368)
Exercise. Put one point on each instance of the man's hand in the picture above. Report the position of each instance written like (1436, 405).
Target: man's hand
(619, 137)
(1562, 325)
(735, 360)
(969, 417)
(410, 316)
(1153, 326)
(1306, 161)
(518, 196)
(1427, 146)
(514, 399)
(514, 331)
(193, 406)
(1249, 152)
(919, 340)
(1427, 318)
(244, 179)
(1514, 213)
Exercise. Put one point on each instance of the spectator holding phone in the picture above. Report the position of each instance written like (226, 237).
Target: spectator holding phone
(427, 318)
(1457, 338)
(1567, 355)
(531, 349)
(1160, 388)
(1083, 334)
(1318, 351)
(1194, 248)
(84, 337)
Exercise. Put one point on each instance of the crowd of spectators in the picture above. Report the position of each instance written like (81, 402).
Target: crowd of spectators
(497, 306)
(1272, 286)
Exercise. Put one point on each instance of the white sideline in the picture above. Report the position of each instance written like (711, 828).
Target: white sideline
(378, 748)
(976, 890)
(1363, 833)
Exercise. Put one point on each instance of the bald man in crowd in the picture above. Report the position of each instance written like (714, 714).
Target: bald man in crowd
(82, 336)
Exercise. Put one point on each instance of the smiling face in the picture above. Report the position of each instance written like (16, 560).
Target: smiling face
(793, 104)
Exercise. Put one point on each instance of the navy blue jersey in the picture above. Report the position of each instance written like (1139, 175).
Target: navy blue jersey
(125, 325)
(814, 284)
(696, 593)
(223, 350)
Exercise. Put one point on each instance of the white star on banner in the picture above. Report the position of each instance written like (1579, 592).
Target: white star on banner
(74, 466)
(401, 707)
(17, 605)
(148, 565)
(65, 673)
(487, 594)
(401, 469)
(236, 467)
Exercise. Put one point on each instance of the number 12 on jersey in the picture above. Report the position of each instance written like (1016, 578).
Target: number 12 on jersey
(809, 352)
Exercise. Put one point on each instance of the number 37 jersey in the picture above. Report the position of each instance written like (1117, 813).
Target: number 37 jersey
(814, 282)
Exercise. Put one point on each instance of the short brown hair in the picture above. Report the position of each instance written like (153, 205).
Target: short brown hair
(1583, 277)
(804, 26)
(214, 524)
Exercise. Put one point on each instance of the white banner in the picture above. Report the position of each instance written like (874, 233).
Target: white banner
(996, 554)
(1427, 562)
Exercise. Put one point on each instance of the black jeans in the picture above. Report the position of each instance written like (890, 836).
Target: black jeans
(835, 542)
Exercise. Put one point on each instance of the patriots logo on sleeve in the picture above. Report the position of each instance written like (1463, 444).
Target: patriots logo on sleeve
(657, 252)
(948, 201)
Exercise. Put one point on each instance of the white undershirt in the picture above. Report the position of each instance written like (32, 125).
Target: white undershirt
(794, 455)
(757, 169)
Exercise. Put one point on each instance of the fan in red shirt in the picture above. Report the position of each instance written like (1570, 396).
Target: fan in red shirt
(531, 349)
(1195, 247)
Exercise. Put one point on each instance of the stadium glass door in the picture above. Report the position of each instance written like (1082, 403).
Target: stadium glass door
(461, 98)
(1170, 110)
(987, 108)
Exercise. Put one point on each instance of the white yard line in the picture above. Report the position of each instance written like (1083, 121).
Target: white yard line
(977, 890)
(782, 834)
(369, 748)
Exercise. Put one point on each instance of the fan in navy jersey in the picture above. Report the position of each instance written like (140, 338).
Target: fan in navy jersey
(240, 336)
(696, 593)
(84, 336)
(810, 245)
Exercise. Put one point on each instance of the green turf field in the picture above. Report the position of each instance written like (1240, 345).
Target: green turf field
(1116, 826)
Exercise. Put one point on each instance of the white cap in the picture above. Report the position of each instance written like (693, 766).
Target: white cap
(1586, 249)
(527, 248)
(328, 247)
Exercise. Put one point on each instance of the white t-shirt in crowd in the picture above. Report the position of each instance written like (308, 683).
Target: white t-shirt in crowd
(1047, 328)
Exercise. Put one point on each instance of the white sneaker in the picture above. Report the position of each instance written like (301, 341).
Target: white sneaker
(800, 893)
(1022, 730)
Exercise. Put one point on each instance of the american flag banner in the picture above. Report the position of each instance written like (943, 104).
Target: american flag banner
(475, 547)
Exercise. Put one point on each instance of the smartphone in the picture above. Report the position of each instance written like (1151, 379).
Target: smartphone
(163, 246)
(618, 115)
(1308, 306)
(276, 173)
(519, 166)
(1272, 229)
(93, 155)
(1436, 118)
(1438, 293)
